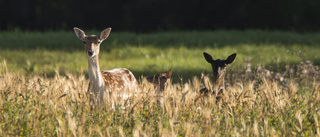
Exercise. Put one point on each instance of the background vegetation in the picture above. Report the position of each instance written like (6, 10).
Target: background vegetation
(155, 15)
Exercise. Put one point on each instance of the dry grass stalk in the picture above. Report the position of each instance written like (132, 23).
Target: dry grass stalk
(58, 106)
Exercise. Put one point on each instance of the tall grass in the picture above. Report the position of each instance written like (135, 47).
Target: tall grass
(261, 103)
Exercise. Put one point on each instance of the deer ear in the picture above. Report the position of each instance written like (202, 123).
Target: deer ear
(231, 58)
(208, 57)
(80, 34)
(168, 74)
(104, 34)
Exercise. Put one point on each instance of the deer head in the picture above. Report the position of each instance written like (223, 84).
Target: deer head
(219, 66)
(159, 80)
(92, 42)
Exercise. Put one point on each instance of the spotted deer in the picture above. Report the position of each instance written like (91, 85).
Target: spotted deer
(119, 81)
(159, 81)
(219, 71)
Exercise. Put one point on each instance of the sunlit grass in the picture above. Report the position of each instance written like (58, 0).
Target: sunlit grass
(186, 62)
(144, 54)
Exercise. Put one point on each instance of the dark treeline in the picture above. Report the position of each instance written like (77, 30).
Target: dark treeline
(155, 15)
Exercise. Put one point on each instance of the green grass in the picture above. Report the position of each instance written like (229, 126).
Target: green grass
(146, 54)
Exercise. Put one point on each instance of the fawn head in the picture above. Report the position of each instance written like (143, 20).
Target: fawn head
(159, 80)
(219, 66)
(92, 42)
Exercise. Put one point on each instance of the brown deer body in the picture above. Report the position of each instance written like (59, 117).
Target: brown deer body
(219, 70)
(119, 81)
(159, 81)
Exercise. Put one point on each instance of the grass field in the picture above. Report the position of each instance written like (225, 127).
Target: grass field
(145, 54)
(273, 85)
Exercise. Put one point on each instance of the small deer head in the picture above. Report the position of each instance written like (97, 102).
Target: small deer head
(92, 42)
(219, 66)
(159, 80)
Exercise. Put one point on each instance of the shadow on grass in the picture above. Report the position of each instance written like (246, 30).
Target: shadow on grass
(184, 75)
(67, 41)
(178, 76)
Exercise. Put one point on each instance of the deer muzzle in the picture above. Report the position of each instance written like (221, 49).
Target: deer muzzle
(90, 53)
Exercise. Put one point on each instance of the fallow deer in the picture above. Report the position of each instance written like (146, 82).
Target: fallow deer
(219, 70)
(159, 81)
(119, 81)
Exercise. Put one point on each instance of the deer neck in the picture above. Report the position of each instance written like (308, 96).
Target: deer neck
(160, 88)
(95, 75)
(219, 83)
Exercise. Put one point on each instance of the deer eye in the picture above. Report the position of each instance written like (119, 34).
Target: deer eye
(99, 42)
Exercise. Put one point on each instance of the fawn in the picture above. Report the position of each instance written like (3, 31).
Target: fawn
(159, 81)
(119, 81)
(219, 70)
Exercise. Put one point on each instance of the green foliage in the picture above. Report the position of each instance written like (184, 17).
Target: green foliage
(155, 15)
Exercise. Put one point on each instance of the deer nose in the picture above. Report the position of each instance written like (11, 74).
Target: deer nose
(90, 52)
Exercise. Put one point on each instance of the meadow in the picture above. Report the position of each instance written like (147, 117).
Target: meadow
(273, 85)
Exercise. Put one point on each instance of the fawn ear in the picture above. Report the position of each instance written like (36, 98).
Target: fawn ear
(208, 57)
(80, 34)
(168, 74)
(231, 58)
(104, 34)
